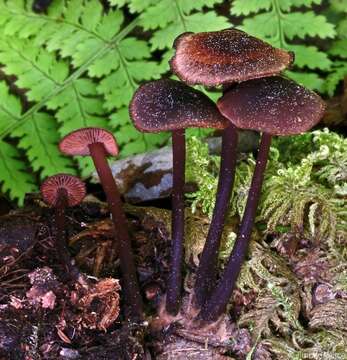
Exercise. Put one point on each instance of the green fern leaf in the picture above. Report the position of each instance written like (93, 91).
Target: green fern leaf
(91, 41)
(335, 77)
(300, 25)
(130, 68)
(310, 57)
(264, 26)
(342, 29)
(10, 108)
(14, 177)
(279, 25)
(209, 21)
(339, 48)
(307, 3)
(131, 140)
(39, 138)
(118, 3)
(339, 5)
(36, 69)
(135, 6)
(275, 26)
(78, 105)
(310, 80)
(74, 28)
(172, 18)
(241, 7)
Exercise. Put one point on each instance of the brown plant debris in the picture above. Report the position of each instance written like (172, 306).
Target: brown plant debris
(100, 304)
(332, 314)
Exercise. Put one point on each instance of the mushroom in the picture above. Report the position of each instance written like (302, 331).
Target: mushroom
(169, 105)
(273, 106)
(99, 143)
(225, 57)
(61, 191)
(212, 59)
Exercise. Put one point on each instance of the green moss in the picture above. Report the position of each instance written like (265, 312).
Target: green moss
(304, 187)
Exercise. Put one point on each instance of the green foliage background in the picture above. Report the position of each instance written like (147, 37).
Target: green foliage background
(78, 65)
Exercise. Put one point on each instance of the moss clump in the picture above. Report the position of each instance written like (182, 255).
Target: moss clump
(304, 193)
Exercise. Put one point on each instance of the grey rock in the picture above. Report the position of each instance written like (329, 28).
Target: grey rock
(148, 176)
(67, 353)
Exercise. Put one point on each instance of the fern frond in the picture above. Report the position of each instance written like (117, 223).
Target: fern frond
(131, 140)
(339, 72)
(14, 177)
(170, 18)
(36, 70)
(129, 60)
(279, 24)
(310, 57)
(94, 42)
(39, 138)
(69, 27)
(338, 48)
(240, 7)
(10, 108)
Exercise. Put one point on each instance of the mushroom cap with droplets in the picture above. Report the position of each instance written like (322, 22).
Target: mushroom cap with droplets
(166, 105)
(78, 141)
(274, 105)
(75, 189)
(224, 57)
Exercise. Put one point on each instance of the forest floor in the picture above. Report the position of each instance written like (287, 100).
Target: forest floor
(285, 306)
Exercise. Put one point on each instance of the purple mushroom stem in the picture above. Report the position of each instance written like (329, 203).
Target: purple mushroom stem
(130, 284)
(206, 274)
(60, 233)
(173, 297)
(218, 301)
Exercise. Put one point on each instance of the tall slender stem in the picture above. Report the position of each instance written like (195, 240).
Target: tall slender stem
(219, 298)
(60, 234)
(173, 296)
(206, 274)
(129, 283)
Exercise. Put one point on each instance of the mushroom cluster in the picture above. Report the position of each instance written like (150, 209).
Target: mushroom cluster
(64, 190)
(256, 96)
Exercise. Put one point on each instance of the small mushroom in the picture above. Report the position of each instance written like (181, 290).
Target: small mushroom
(225, 57)
(212, 59)
(273, 106)
(99, 143)
(169, 105)
(61, 191)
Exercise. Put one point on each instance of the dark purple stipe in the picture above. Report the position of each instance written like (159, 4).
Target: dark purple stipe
(206, 274)
(173, 295)
(60, 234)
(130, 285)
(218, 301)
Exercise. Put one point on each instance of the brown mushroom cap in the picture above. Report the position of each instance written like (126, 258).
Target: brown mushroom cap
(75, 188)
(227, 56)
(78, 141)
(274, 105)
(166, 105)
